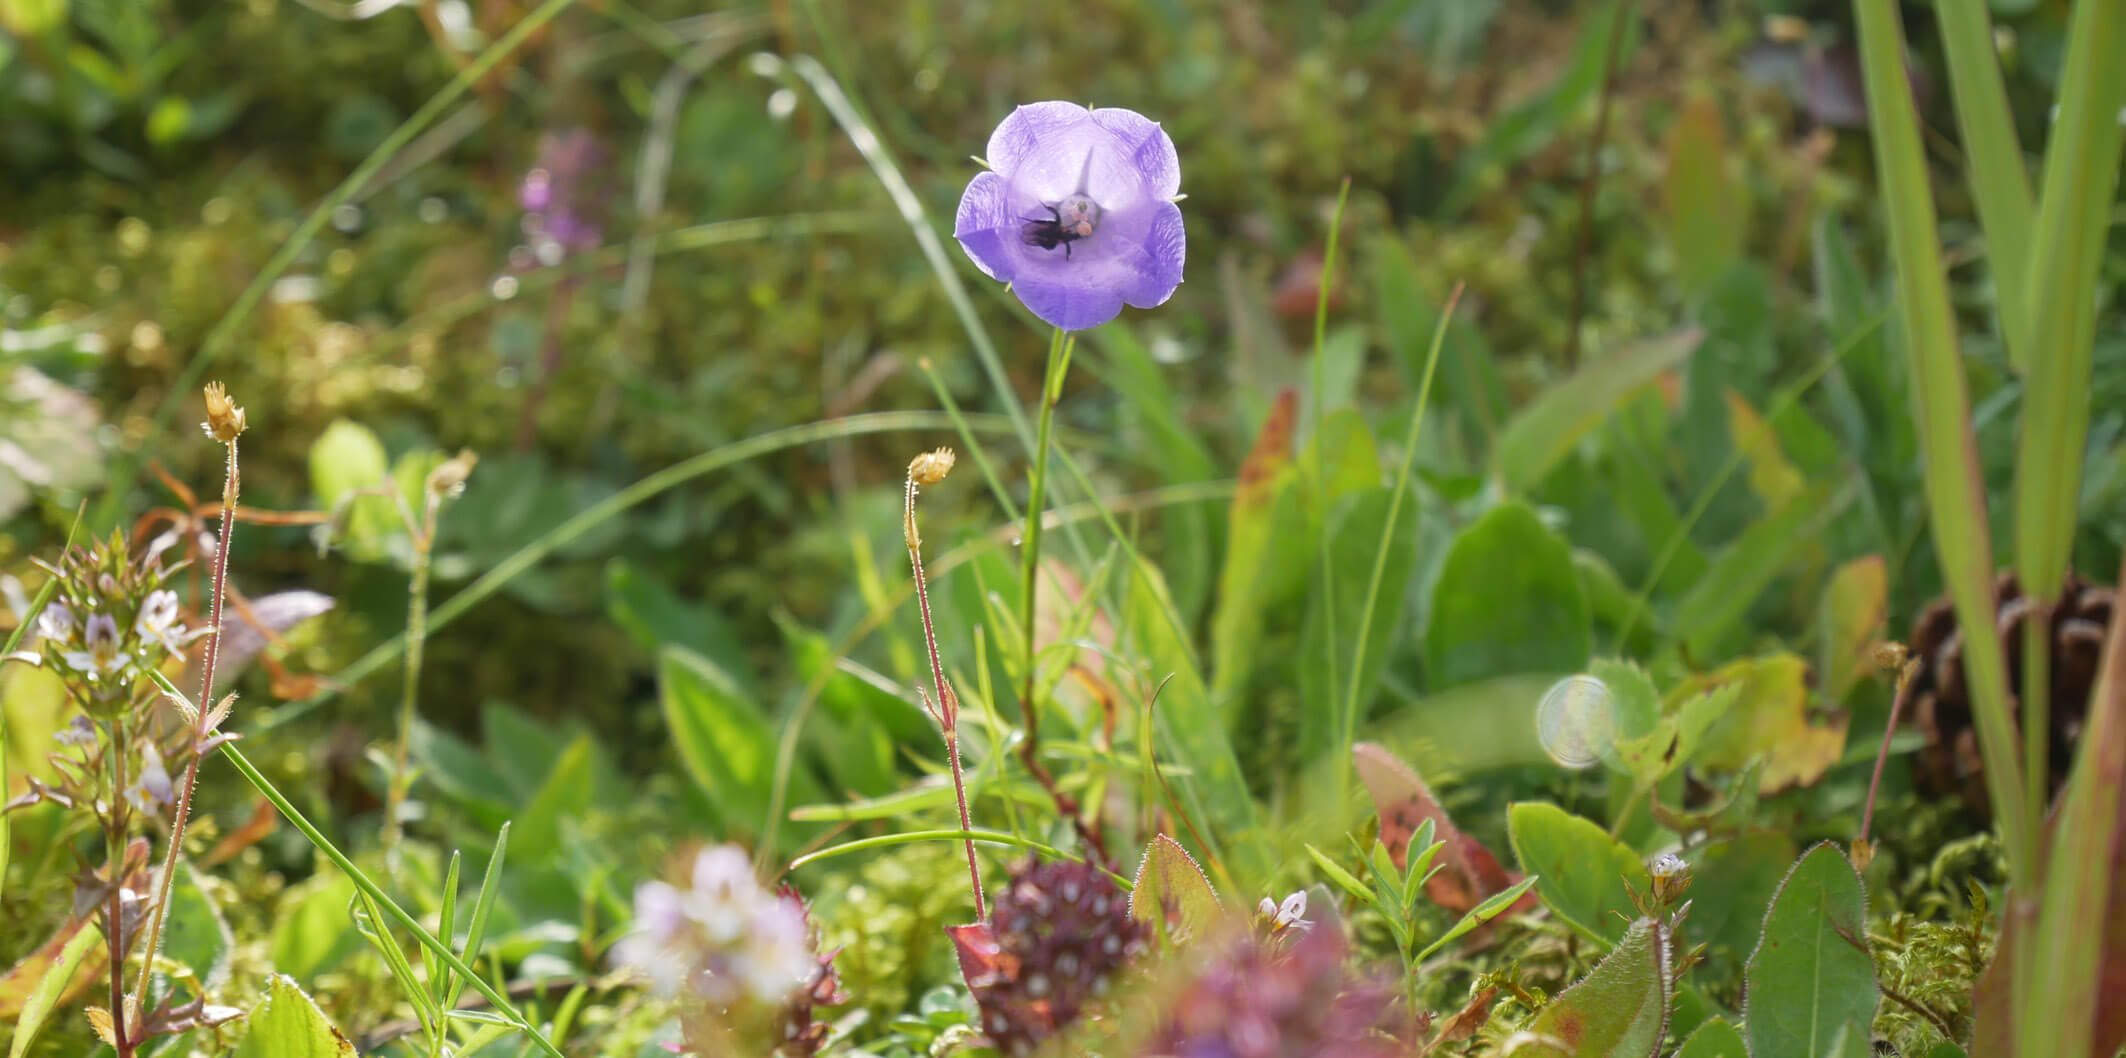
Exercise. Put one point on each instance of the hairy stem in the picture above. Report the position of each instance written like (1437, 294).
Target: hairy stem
(159, 909)
(947, 706)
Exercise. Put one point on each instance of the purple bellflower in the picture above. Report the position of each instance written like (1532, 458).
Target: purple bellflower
(1077, 212)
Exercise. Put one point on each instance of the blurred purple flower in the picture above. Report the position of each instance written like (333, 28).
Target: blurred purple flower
(563, 195)
(1077, 212)
(1248, 999)
(723, 938)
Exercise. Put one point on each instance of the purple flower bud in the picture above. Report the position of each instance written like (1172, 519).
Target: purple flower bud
(1077, 212)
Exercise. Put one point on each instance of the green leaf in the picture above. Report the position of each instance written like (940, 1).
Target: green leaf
(194, 935)
(1257, 521)
(1507, 601)
(31, 19)
(1770, 718)
(1172, 890)
(1491, 908)
(1811, 975)
(1850, 618)
(1750, 564)
(1699, 193)
(1344, 879)
(347, 458)
(287, 1024)
(1732, 884)
(449, 985)
(1548, 427)
(653, 616)
(1188, 727)
(520, 749)
(566, 791)
(310, 931)
(1714, 1039)
(37, 1007)
(724, 740)
(1620, 1010)
(1586, 876)
(1357, 531)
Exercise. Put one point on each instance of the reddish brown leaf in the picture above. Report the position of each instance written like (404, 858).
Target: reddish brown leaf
(1273, 449)
(1470, 873)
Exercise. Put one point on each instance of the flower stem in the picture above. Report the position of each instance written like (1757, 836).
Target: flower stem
(114, 828)
(416, 638)
(1059, 349)
(946, 708)
(159, 909)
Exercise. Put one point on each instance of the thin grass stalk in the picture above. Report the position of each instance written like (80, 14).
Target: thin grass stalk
(2081, 175)
(1993, 158)
(1956, 507)
(1059, 348)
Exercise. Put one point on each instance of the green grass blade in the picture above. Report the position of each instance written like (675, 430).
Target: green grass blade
(2081, 175)
(447, 922)
(909, 837)
(440, 950)
(369, 922)
(482, 906)
(1993, 156)
(1956, 509)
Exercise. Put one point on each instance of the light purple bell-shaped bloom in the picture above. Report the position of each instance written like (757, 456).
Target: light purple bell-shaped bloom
(1077, 212)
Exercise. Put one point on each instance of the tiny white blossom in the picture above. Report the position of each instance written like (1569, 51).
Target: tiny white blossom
(158, 622)
(56, 623)
(102, 655)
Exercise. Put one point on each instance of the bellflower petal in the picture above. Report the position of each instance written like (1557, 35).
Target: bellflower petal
(1076, 212)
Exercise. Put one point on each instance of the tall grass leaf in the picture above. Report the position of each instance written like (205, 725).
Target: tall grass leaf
(1699, 192)
(1251, 531)
(1993, 160)
(1540, 434)
(1356, 532)
(1956, 507)
(565, 791)
(1191, 731)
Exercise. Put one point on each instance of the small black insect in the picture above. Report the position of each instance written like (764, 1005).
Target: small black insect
(1051, 233)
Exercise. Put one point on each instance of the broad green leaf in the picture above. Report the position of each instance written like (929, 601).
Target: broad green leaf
(520, 749)
(1635, 704)
(1854, 608)
(565, 791)
(724, 740)
(347, 458)
(854, 736)
(1676, 736)
(1554, 422)
(1770, 718)
(36, 1005)
(653, 616)
(288, 1024)
(1714, 1039)
(1172, 890)
(1732, 883)
(1586, 876)
(1507, 600)
(1620, 1010)
(1811, 975)
(1357, 531)
(310, 929)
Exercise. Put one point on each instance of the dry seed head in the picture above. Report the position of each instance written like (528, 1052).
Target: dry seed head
(225, 420)
(449, 478)
(931, 467)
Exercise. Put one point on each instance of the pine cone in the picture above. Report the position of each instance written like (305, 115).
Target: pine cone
(1054, 941)
(1941, 699)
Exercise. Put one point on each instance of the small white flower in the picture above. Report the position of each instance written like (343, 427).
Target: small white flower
(775, 960)
(1292, 914)
(159, 622)
(56, 623)
(102, 656)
